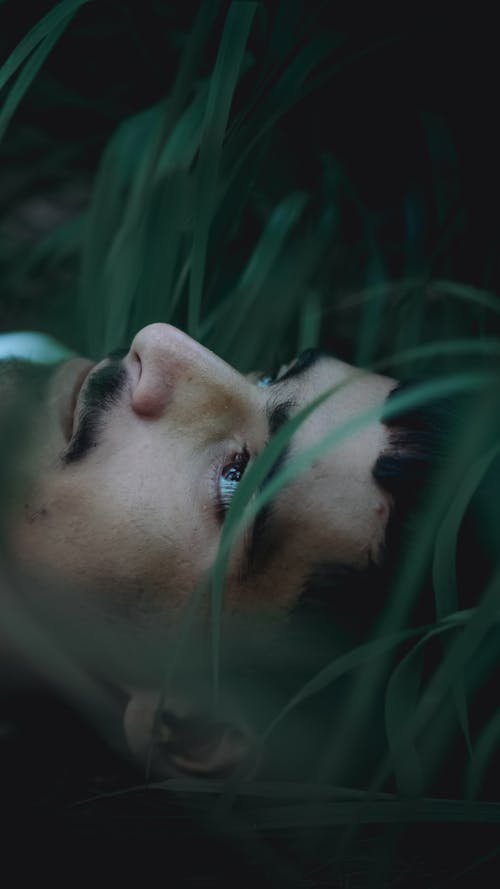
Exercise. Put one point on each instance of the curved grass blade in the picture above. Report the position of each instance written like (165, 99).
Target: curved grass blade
(113, 251)
(489, 347)
(237, 517)
(346, 663)
(36, 34)
(488, 743)
(444, 565)
(425, 811)
(57, 26)
(477, 625)
(283, 95)
(310, 322)
(264, 257)
(483, 298)
(401, 702)
(462, 650)
(220, 95)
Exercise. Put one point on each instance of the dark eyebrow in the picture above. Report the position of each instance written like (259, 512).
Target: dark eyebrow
(278, 413)
(305, 361)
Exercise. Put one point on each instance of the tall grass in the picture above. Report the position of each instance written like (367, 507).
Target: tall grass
(184, 225)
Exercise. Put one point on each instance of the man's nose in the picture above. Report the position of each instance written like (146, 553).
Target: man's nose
(172, 367)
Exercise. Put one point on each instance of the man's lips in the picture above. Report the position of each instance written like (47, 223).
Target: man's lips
(76, 372)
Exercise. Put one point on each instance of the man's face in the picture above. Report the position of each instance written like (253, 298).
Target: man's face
(133, 479)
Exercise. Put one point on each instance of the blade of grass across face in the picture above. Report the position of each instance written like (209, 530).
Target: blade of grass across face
(222, 85)
(244, 506)
(235, 519)
(43, 36)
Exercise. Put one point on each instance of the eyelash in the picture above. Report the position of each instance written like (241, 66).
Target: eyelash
(225, 486)
(269, 379)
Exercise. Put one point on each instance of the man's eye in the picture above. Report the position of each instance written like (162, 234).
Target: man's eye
(230, 478)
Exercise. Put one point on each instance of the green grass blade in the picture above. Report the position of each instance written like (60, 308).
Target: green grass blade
(264, 257)
(460, 653)
(346, 663)
(55, 17)
(310, 322)
(283, 95)
(489, 348)
(444, 566)
(33, 65)
(487, 745)
(401, 703)
(222, 85)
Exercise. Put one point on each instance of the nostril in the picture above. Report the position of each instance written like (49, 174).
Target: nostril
(137, 360)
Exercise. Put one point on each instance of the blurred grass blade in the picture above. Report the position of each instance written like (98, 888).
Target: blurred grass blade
(43, 36)
(487, 745)
(489, 347)
(183, 143)
(310, 322)
(283, 95)
(353, 659)
(238, 515)
(38, 32)
(113, 255)
(242, 300)
(401, 699)
(444, 563)
(444, 566)
(482, 620)
(222, 85)
(401, 703)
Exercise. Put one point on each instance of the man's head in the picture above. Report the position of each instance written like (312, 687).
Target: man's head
(134, 462)
(139, 456)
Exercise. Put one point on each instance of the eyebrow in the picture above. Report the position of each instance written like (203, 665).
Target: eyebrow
(304, 361)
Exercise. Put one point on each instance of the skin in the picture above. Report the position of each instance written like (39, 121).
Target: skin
(136, 518)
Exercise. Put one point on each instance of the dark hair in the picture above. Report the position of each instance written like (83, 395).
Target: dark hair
(418, 443)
